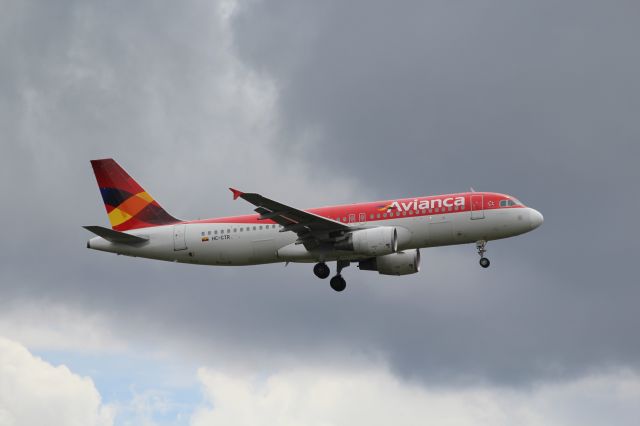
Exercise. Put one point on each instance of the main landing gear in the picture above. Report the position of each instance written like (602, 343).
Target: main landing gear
(337, 282)
(481, 246)
(321, 270)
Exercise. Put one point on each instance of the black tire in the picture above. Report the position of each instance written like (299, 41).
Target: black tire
(484, 262)
(321, 270)
(338, 283)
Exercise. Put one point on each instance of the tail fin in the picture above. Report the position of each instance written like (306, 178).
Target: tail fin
(128, 205)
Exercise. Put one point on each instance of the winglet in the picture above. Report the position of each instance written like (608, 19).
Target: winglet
(236, 193)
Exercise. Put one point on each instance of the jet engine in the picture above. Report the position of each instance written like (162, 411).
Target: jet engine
(401, 263)
(371, 242)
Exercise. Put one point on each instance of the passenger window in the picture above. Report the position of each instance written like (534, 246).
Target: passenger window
(215, 232)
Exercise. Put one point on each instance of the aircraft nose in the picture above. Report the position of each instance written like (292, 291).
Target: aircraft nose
(536, 218)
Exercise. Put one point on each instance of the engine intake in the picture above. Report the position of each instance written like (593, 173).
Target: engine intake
(402, 263)
(371, 242)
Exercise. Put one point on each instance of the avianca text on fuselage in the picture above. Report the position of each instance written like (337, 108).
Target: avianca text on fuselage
(381, 236)
(424, 204)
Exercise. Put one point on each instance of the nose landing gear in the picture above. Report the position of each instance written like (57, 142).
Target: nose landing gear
(481, 247)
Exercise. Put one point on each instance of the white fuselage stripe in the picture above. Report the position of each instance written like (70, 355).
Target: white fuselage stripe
(252, 247)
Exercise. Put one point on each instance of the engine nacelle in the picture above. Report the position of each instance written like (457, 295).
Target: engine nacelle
(371, 242)
(402, 263)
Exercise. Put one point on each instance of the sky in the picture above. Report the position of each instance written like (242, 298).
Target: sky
(319, 103)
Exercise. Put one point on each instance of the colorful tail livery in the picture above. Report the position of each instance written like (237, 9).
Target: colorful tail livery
(128, 205)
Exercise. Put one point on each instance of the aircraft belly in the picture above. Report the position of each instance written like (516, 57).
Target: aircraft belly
(495, 225)
(263, 250)
(439, 231)
(235, 248)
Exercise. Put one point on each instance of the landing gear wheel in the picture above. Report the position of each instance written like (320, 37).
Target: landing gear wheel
(481, 246)
(338, 283)
(321, 270)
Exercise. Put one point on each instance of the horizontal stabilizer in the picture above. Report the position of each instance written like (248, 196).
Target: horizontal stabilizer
(116, 236)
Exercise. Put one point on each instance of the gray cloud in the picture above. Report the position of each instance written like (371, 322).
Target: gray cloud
(537, 100)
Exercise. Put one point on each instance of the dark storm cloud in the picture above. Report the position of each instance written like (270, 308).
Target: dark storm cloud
(538, 100)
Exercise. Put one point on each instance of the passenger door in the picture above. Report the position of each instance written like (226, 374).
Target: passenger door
(477, 206)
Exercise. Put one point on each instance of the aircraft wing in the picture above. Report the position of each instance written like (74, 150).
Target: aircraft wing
(306, 225)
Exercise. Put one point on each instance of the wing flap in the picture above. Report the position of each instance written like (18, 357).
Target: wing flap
(299, 221)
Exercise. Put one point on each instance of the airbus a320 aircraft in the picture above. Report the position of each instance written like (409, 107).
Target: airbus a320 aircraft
(383, 236)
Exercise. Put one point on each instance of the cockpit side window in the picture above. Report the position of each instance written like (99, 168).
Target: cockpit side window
(509, 203)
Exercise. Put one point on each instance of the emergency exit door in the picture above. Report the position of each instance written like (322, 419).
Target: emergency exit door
(179, 237)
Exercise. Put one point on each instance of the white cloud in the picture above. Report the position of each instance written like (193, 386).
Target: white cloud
(55, 326)
(34, 392)
(373, 396)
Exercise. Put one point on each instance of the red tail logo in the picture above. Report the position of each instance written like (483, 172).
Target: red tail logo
(128, 205)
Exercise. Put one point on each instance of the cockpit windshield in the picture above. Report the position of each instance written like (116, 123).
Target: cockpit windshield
(510, 202)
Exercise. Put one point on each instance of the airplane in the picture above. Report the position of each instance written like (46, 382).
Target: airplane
(383, 236)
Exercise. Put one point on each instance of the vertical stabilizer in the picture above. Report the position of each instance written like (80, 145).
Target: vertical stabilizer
(128, 205)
